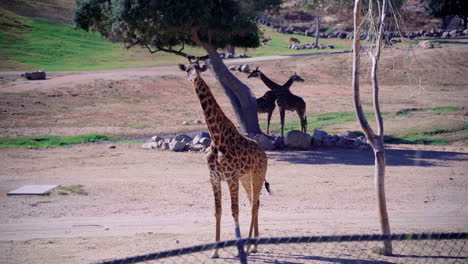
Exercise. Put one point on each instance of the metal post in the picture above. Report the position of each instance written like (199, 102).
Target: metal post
(240, 247)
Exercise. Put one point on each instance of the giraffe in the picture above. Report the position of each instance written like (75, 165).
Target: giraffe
(232, 157)
(285, 99)
(266, 104)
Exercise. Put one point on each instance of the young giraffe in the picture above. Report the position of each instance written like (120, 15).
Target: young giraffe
(285, 99)
(232, 157)
(266, 104)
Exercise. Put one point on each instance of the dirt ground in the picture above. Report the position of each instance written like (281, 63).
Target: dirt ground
(141, 201)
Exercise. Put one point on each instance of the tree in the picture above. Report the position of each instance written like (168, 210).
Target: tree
(375, 140)
(170, 25)
(447, 8)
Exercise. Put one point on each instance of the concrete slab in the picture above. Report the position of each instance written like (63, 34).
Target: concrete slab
(32, 190)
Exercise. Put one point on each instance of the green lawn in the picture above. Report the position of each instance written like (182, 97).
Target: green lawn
(50, 141)
(27, 44)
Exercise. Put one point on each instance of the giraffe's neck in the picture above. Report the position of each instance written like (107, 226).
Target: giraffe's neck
(271, 84)
(288, 84)
(216, 120)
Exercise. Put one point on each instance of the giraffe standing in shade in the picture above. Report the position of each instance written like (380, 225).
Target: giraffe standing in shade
(284, 98)
(232, 157)
(266, 104)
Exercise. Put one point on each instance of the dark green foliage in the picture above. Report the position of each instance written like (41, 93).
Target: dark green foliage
(440, 9)
(448, 8)
(169, 23)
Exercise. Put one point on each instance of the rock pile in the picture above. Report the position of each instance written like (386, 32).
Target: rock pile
(292, 140)
(233, 56)
(245, 68)
(180, 142)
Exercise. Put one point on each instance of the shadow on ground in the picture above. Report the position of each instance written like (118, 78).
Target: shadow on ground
(395, 157)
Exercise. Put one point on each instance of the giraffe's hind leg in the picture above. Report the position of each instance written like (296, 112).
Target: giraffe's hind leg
(253, 187)
(216, 184)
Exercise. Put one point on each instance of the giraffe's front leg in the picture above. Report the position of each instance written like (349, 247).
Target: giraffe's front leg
(216, 184)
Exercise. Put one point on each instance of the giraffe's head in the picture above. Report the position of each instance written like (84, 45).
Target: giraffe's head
(193, 69)
(255, 74)
(297, 78)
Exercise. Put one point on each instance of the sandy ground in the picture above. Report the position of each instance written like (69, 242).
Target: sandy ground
(141, 201)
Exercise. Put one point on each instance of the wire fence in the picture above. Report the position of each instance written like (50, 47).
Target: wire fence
(349, 249)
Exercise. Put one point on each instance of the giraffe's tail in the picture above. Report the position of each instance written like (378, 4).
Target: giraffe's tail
(267, 186)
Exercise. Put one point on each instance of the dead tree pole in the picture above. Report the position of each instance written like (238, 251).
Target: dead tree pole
(376, 141)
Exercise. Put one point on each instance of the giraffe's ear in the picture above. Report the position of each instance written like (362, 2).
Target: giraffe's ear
(203, 68)
(182, 67)
(256, 69)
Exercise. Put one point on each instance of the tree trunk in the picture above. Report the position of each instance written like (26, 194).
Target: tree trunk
(376, 141)
(240, 95)
(317, 31)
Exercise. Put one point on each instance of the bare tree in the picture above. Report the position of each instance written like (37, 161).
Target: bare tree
(375, 140)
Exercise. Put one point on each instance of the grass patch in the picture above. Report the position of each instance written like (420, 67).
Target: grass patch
(75, 189)
(316, 121)
(50, 141)
(434, 135)
(445, 108)
(27, 44)
(140, 126)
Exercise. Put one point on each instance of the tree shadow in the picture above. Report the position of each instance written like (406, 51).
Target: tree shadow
(300, 258)
(395, 157)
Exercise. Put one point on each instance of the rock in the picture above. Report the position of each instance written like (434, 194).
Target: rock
(232, 68)
(150, 144)
(206, 142)
(426, 45)
(465, 32)
(264, 142)
(344, 142)
(445, 34)
(330, 46)
(297, 139)
(185, 123)
(157, 138)
(348, 134)
(183, 138)
(318, 137)
(278, 143)
(196, 139)
(198, 121)
(37, 75)
(177, 145)
(197, 147)
(453, 33)
(245, 68)
(329, 141)
(165, 145)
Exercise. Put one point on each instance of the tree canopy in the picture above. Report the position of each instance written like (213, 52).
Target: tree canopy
(164, 25)
(446, 8)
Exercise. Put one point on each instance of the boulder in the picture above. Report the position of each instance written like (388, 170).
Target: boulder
(329, 141)
(344, 142)
(426, 45)
(37, 75)
(445, 34)
(206, 142)
(298, 140)
(453, 33)
(157, 138)
(348, 134)
(165, 145)
(318, 136)
(177, 145)
(232, 68)
(264, 142)
(150, 145)
(245, 68)
(465, 32)
(197, 147)
(183, 138)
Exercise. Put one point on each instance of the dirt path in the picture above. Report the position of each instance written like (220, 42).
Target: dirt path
(142, 201)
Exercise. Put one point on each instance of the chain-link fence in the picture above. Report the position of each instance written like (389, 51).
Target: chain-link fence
(352, 249)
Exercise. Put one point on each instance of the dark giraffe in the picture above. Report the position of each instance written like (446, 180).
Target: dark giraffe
(266, 104)
(232, 157)
(284, 98)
